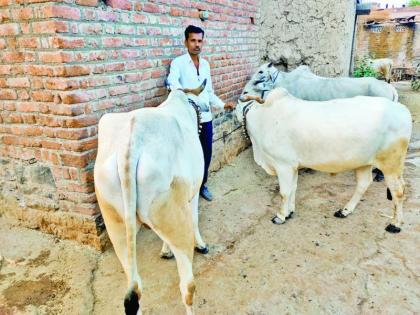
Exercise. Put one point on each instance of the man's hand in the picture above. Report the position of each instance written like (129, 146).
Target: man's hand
(230, 106)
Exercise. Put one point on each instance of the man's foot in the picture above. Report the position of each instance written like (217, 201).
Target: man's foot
(206, 194)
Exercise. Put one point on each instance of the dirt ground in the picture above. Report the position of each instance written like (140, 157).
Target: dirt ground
(313, 264)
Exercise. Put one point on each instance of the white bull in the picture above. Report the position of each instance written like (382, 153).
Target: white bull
(382, 67)
(149, 170)
(304, 84)
(357, 133)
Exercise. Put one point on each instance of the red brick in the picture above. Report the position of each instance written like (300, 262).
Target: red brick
(42, 96)
(107, 16)
(21, 141)
(71, 134)
(12, 57)
(10, 29)
(23, 95)
(27, 107)
(8, 94)
(80, 146)
(117, 90)
(87, 209)
(30, 118)
(151, 7)
(126, 30)
(176, 12)
(37, 70)
(61, 84)
(81, 121)
(50, 157)
(60, 11)
(29, 42)
(90, 28)
(140, 18)
(26, 130)
(5, 69)
(75, 97)
(18, 82)
(55, 57)
(73, 71)
(158, 74)
(50, 121)
(22, 14)
(53, 145)
(48, 27)
(119, 4)
(80, 188)
(90, 3)
(76, 160)
(112, 42)
(66, 110)
(4, 3)
(67, 43)
(115, 67)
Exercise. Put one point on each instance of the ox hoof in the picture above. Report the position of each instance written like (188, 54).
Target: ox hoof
(379, 177)
(291, 214)
(202, 250)
(388, 194)
(340, 214)
(391, 228)
(168, 255)
(131, 303)
(277, 220)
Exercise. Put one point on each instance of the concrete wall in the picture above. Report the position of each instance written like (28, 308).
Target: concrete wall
(65, 63)
(313, 32)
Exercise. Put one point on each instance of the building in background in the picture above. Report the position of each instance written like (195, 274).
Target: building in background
(390, 33)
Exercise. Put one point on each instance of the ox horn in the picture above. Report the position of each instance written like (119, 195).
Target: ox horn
(197, 90)
(247, 98)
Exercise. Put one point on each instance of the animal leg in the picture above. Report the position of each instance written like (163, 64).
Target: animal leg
(286, 181)
(396, 186)
(364, 179)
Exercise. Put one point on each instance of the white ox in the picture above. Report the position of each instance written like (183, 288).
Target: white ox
(382, 67)
(357, 133)
(148, 170)
(304, 84)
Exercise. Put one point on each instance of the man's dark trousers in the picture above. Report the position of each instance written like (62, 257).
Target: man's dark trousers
(206, 139)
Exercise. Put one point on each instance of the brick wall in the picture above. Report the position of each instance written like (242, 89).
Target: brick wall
(65, 63)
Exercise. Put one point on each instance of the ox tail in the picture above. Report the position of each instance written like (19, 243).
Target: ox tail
(127, 169)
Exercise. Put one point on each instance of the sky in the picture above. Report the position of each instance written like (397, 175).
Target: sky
(395, 3)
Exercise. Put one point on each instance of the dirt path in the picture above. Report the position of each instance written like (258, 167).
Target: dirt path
(314, 264)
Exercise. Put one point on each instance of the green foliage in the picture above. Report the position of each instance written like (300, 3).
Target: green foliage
(415, 85)
(413, 3)
(363, 69)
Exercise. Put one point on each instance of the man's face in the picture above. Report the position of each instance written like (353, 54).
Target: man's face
(194, 43)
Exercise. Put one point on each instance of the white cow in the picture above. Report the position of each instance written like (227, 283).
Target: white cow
(382, 67)
(304, 84)
(357, 133)
(149, 170)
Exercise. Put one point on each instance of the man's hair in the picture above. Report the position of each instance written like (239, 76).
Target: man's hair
(193, 29)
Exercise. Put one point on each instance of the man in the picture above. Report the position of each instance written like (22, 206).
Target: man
(189, 71)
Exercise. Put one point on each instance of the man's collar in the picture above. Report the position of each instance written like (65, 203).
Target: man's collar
(190, 59)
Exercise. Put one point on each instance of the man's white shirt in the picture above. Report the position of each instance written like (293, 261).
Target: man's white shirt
(184, 75)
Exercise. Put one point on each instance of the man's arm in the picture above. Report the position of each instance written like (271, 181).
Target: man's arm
(174, 76)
